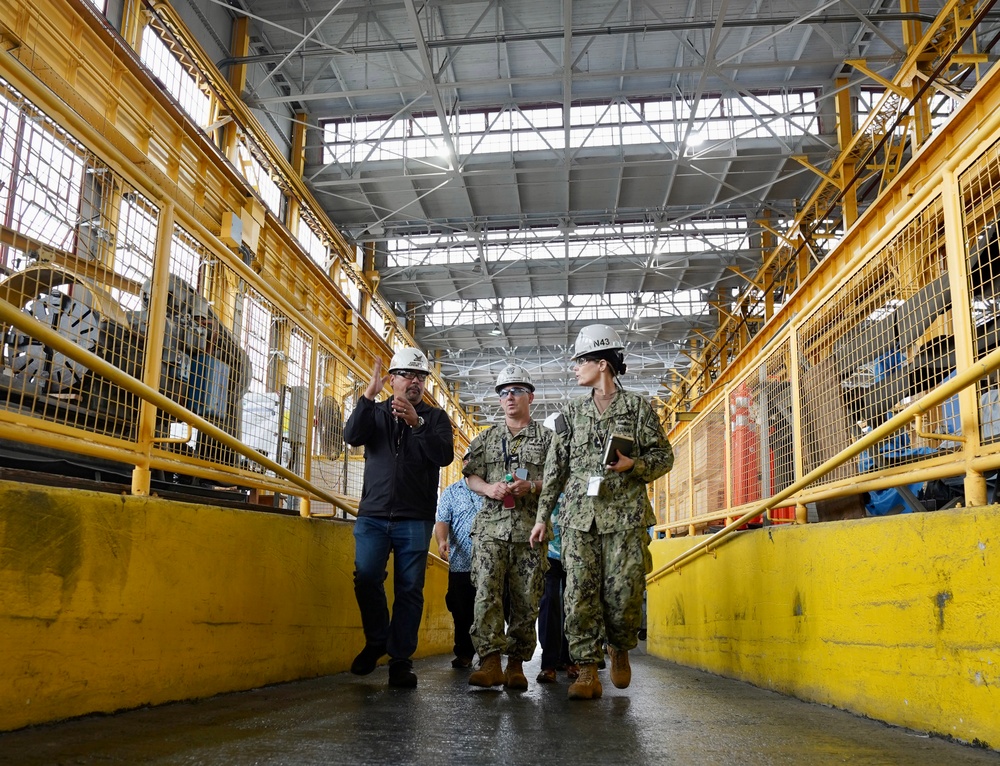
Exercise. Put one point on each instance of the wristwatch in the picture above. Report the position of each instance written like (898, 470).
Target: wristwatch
(532, 487)
(420, 423)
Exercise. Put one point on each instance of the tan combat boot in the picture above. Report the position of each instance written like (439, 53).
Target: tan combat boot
(621, 671)
(489, 674)
(587, 686)
(514, 677)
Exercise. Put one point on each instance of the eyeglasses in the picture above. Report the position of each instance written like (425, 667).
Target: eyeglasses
(584, 359)
(515, 391)
(411, 375)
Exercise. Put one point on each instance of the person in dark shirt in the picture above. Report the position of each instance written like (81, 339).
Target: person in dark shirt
(407, 441)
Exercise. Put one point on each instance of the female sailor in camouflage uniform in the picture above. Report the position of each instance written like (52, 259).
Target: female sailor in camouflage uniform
(605, 514)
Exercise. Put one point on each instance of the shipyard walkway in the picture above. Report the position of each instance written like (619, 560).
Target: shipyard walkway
(670, 715)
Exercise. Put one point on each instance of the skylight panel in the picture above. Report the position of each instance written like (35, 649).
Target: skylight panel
(426, 126)
(540, 141)
(941, 106)
(611, 307)
(639, 240)
(516, 120)
(541, 129)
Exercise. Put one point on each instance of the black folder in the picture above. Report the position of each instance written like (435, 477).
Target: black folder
(617, 443)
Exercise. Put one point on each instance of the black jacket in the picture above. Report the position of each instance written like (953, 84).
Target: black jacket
(401, 480)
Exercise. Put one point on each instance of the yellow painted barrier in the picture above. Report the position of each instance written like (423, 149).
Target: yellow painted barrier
(893, 618)
(111, 602)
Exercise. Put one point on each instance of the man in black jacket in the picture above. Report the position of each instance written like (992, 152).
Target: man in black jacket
(407, 442)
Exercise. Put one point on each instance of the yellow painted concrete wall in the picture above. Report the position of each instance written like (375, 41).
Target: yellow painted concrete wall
(113, 602)
(893, 618)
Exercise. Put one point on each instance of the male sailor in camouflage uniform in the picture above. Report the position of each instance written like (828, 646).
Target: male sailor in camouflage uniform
(605, 513)
(505, 467)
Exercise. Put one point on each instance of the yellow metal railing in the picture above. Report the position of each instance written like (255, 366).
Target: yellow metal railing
(14, 316)
(910, 296)
(914, 411)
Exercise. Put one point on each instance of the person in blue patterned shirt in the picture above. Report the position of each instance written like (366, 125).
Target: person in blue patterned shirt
(456, 509)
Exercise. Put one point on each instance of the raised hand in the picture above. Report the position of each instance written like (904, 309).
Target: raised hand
(378, 380)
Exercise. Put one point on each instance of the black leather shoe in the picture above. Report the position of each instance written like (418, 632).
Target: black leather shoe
(401, 674)
(366, 661)
(461, 663)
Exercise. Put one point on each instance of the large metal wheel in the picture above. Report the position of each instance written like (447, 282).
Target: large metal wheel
(30, 360)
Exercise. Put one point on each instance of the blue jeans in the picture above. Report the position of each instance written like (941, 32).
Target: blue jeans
(409, 541)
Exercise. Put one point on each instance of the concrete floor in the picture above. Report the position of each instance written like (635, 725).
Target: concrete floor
(670, 715)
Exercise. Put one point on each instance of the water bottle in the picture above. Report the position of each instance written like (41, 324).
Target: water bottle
(520, 473)
(508, 500)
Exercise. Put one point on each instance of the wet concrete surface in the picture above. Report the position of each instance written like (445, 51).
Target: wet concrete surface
(669, 715)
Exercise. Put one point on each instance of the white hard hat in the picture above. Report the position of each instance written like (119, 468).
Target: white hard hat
(597, 337)
(409, 359)
(514, 374)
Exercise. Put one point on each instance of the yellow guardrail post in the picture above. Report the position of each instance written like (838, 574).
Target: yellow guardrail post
(307, 449)
(152, 358)
(963, 324)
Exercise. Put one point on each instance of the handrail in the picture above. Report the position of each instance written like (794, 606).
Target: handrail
(13, 315)
(949, 388)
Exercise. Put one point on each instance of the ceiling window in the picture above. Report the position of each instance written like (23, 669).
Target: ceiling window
(41, 176)
(620, 124)
(135, 245)
(554, 308)
(177, 79)
(259, 178)
(640, 240)
(312, 243)
(941, 106)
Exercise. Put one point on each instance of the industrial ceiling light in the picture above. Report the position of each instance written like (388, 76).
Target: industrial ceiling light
(496, 329)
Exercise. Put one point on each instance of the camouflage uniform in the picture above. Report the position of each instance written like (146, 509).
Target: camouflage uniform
(501, 553)
(605, 543)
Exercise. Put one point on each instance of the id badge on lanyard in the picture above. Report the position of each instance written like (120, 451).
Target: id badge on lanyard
(594, 482)
(511, 459)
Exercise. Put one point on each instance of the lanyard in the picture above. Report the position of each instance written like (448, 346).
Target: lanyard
(510, 457)
(398, 430)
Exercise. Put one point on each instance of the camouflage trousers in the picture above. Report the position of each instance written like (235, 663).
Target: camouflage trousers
(518, 569)
(605, 583)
